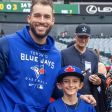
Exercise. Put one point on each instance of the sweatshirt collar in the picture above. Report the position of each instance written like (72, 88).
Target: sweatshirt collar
(25, 35)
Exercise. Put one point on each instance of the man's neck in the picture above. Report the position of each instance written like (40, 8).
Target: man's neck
(37, 40)
(80, 49)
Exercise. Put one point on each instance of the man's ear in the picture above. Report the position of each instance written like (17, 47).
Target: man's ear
(59, 86)
(53, 21)
(28, 19)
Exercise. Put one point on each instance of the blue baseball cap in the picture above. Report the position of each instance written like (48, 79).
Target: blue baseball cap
(83, 29)
(70, 71)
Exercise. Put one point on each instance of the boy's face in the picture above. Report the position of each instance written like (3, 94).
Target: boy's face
(70, 85)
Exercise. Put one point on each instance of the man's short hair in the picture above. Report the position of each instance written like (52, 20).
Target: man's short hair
(43, 2)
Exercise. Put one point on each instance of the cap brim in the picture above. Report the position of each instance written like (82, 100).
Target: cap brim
(61, 76)
(85, 34)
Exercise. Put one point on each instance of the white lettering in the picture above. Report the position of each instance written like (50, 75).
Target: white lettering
(92, 9)
(26, 10)
(52, 65)
(28, 57)
(105, 9)
(8, 6)
(42, 60)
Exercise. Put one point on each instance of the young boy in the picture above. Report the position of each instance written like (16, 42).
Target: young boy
(70, 80)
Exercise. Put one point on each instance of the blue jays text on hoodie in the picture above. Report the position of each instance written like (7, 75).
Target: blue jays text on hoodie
(28, 72)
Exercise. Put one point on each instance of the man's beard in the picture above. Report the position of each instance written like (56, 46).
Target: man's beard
(40, 36)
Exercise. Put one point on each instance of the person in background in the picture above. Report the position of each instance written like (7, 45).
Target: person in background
(109, 84)
(109, 63)
(109, 93)
(84, 58)
(2, 33)
(29, 63)
(101, 67)
(70, 80)
(71, 43)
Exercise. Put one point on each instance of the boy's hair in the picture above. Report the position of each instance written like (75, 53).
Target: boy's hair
(43, 2)
(70, 71)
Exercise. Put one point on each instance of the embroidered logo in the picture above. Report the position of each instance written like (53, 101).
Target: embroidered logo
(38, 71)
(69, 69)
(84, 29)
(41, 71)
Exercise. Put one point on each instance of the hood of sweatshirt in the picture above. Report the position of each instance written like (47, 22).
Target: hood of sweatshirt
(27, 38)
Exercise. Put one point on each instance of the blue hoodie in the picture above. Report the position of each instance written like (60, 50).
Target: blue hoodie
(28, 72)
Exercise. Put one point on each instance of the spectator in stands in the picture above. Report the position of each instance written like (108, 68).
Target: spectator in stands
(109, 93)
(29, 63)
(110, 64)
(102, 71)
(62, 35)
(98, 54)
(109, 84)
(71, 43)
(84, 58)
(66, 34)
(101, 67)
(2, 33)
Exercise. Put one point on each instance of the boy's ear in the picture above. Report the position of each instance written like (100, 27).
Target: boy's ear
(59, 85)
(81, 85)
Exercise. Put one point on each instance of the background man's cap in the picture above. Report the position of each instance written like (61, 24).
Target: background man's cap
(83, 29)
(70, 71)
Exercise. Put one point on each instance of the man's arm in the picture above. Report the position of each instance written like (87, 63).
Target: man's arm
(3, 56)
(89, 98)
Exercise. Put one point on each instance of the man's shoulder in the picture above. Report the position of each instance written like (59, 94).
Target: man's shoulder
(69, 49)
(5, 40)
(8, 37)
(90, 51)
(85, 104)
